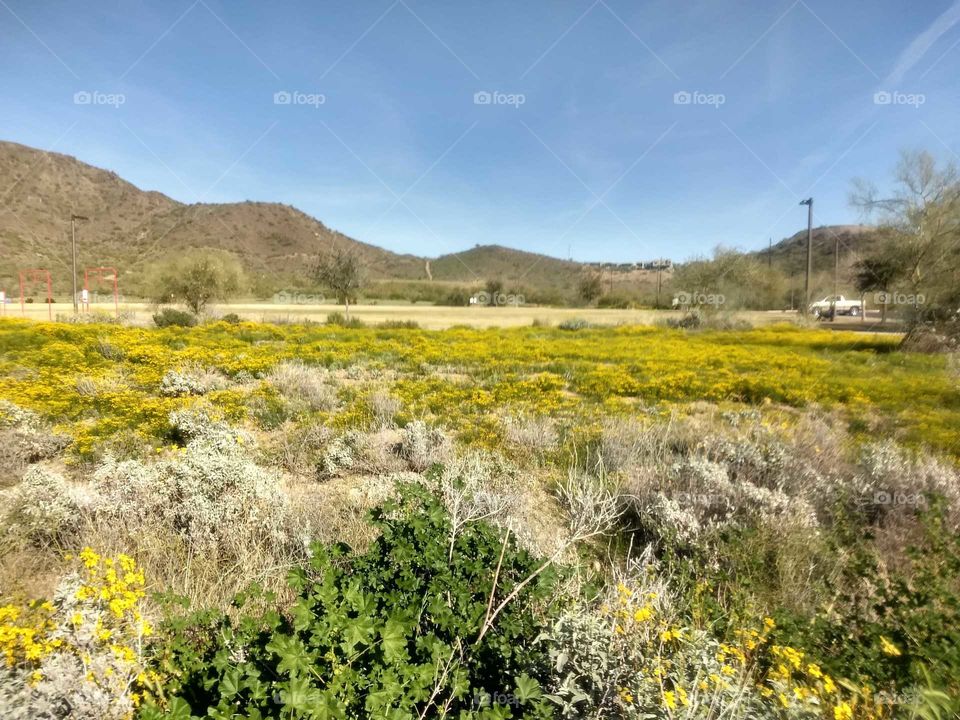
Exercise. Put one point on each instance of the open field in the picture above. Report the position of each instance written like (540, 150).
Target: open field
(431, 317)
(694, 519)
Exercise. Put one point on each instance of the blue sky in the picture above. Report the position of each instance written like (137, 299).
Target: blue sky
(586, 148)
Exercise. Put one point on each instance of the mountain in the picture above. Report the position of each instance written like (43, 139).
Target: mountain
(790, 254)
(134, 230)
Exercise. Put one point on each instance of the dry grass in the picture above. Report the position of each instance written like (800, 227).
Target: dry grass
(429, 317)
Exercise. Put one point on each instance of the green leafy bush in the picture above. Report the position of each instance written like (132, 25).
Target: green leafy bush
(171, 317)
(408, 628)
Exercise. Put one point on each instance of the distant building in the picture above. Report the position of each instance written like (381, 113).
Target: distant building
(662, 264)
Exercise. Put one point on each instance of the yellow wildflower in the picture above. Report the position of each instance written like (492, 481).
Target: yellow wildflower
(889, 648)
(843, 711)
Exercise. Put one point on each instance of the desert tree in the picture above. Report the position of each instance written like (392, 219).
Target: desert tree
(197, 278)
(920, 227)
(877, 273)
(742, 279)
(590, 287)
(341, 270)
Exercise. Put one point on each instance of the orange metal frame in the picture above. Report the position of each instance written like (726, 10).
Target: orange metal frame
(33, 276)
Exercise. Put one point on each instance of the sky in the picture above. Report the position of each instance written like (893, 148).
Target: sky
(602, 130)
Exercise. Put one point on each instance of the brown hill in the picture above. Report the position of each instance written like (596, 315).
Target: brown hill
(790, 254)
(133, 229)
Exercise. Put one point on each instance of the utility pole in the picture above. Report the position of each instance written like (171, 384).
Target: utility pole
(806, 285)
(659, 272)
(73, 243)
(836, 275)
(769, 253)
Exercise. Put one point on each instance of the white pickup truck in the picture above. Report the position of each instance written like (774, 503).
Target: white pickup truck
(839, 303)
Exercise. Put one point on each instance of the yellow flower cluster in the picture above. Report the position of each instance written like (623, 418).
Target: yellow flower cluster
(117, 585)
(101, 625)
(672, 673)
(25, 633)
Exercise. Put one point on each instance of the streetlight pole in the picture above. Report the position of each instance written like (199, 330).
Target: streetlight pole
(806, 285)
(73, 243)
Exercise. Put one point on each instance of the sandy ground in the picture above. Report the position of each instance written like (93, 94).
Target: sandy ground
(427, 316)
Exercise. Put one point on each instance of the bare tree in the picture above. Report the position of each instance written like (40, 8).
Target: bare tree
(341, 270)
(591, 287)
(920, 224)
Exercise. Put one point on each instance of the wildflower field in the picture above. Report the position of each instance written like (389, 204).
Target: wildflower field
(255, 520)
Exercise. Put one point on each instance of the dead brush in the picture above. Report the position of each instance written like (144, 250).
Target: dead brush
(303, 385)
(592, 502)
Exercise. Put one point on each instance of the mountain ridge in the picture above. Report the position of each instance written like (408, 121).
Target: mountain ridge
(132, 229)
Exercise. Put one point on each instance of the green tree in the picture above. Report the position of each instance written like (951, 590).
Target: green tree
(877, 273)
(198, 278)
(341, 270)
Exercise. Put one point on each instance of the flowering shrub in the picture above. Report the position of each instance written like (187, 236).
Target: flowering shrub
(629, 657)
(83, 654)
